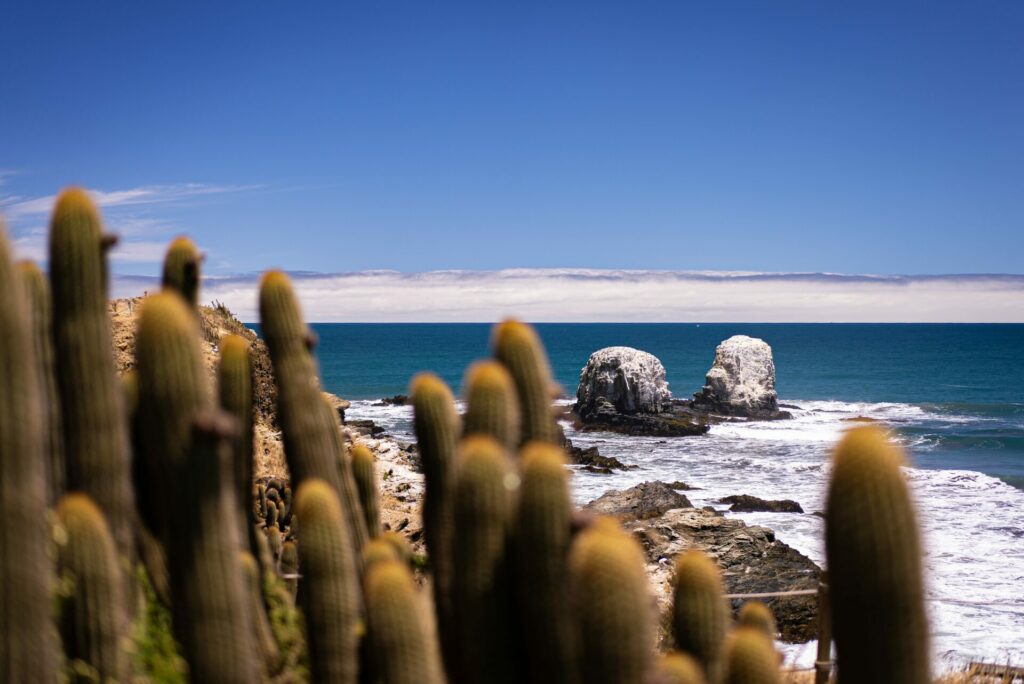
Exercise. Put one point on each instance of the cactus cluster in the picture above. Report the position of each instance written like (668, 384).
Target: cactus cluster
(175, 565)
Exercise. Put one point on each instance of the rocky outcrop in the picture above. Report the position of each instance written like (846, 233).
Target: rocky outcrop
(632, 381)
(678, 421)
(741, 381)
(751, 559)
(744, 503)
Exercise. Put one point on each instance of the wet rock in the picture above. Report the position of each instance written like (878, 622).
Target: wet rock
(397, 400)
(644, 501)
(744, 503)
(365, 427)
(676, 421)
(741, 381)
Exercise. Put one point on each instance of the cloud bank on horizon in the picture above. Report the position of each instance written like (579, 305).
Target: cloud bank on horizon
(586, 295)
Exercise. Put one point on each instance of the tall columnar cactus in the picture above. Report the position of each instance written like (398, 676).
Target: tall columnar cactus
(364, 471)
(873, 550)
(37, 288)
(750, 658)
(262, 634)
(483, 589)
(330, 585)
(517, 346)
(94, 617)
(349, 493)
(677, 668)
(542, 538)
(612, 606)
(310, 441)
(492, 404)
(96, 444)
(400, 640)
(234, 381)
(437, 428)
(758, 616)
(27, 652)
(181, 270)
(699, 613)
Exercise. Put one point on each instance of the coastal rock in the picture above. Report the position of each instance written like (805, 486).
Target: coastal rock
(632, 381)
(678, 421)
(744, 503)
(741, 381)
(750, 558)
(642, 502)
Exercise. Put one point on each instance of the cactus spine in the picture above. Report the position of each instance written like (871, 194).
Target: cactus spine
(493, 406)
(364, 472)
(542, 538)
(483, 574)
(699, 613)
(97, 454)
(400, 643)
(750, 658)
(37, 289)
(234, 380)
(519, 349)
(437, 428)
(330, 588)
(611, 603)
(27, 650)
(94, 617)
(874, 559)
(181, 270)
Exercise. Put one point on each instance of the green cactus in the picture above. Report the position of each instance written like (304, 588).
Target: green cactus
(27, 649)
(611, 604)
(483, 583)
(519, 349)
(94, 617)
(271, 518)
(437, 428)
(751, 659)
(349, 493)
(758, 616)
(677, 668)
(365, 473)
(400, 545)
(262, 634)
(234, 381)
(400, 642)
(699, 613)
(290, 567)
(37, 288)
(542, 545)
(377, 550)
(97, 456)
(873, 549)
(181, 270)
(261, 498)
(330, 587)
(492, 404)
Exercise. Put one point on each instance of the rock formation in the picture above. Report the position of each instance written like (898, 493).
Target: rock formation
(631, 380)
(741, 381)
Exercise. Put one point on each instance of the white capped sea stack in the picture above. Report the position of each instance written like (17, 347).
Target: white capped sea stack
(632, 380)
(741, 381)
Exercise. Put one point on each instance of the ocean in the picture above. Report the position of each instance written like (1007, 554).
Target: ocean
(953, 395)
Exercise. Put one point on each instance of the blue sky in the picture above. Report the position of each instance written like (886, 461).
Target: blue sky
(337, 137)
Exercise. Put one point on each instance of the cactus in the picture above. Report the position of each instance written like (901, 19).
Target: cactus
(27, 650)
(97, 454)
(330, 588)
(758, 616)
(234, 381)
(94, 618)
(482, 586)
(262, 634)
(611, 603)
(271, 518)
(181, 270)
(751, 659)
(873, 550)
(400, 642)
(401, 547)
(437, 428)
(365, 474)
(699, 613)
(261, 498)
(677, 668)
(349, 492)
(544, 521)
(519, 349)
(492, 404)
(376, 551)
(37, 289)
(290, 567)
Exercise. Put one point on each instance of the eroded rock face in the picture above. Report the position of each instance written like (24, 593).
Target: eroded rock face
(745, 503)
(741, 381)
(642, 502)
(631, 380)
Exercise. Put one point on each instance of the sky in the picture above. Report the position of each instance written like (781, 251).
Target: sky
(336, 139)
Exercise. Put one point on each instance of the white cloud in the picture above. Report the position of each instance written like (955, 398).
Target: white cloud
(16, 208)
(657, 296)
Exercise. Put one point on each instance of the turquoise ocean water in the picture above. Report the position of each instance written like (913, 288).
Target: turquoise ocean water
(953, 395)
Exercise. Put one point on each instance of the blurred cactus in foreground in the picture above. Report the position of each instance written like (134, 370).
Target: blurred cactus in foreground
(181, 270)
(699, 613)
